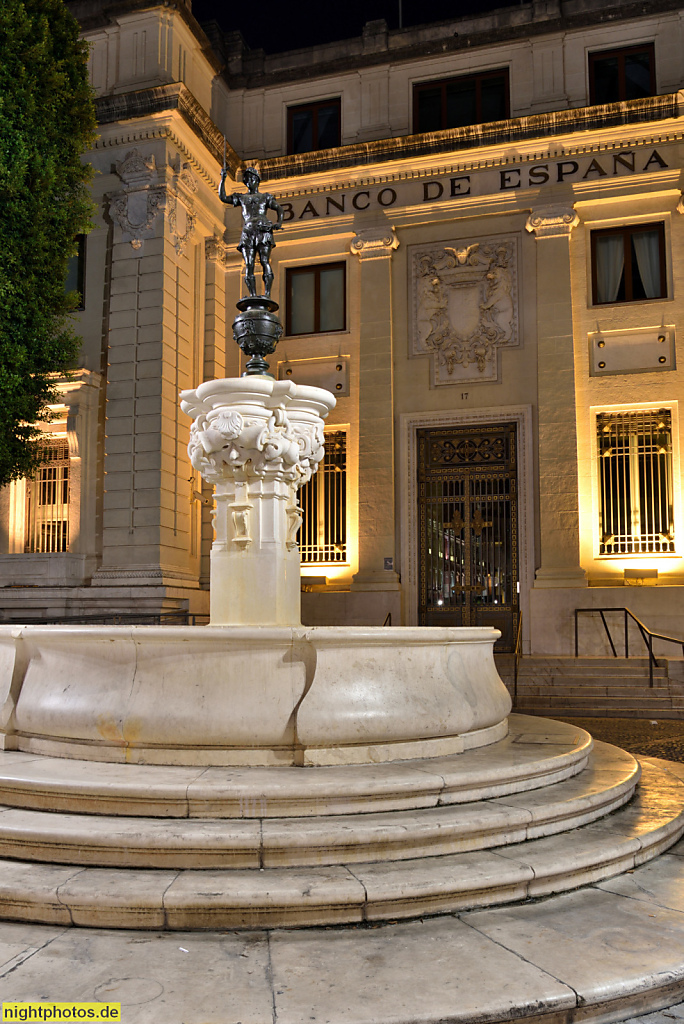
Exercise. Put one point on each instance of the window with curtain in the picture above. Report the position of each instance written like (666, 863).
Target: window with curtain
(316, 299)
(628, 264)
(313, 126)
(323, 500)
(624, 74)
(47, 502)
(634, 451)
(457, 102)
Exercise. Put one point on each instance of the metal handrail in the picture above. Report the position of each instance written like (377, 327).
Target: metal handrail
(517, 656)
(180, 618)
(647, 635)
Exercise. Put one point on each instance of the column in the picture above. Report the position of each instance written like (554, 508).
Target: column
(558, 486)
(374, 248)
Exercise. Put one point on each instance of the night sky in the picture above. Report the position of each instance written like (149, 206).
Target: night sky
(284, 25)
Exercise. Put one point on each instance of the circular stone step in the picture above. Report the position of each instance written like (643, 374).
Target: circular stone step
(356, 893)
(67, 838)
(535, 753)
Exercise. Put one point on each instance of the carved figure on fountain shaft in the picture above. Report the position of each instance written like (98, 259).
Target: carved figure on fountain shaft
(227, 443)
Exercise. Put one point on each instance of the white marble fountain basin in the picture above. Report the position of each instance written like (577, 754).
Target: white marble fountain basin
(216, 695)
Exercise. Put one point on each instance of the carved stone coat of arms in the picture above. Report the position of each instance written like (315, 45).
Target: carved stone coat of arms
(465, 306)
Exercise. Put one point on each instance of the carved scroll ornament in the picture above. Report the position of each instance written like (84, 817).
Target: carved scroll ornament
(465, 305)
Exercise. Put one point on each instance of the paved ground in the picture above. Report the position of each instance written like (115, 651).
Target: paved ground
(673, 1013)
(637, 735)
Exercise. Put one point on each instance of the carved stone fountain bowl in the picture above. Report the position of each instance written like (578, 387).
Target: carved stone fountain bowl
(224, 695)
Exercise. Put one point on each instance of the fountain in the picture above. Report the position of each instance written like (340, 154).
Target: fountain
(256, 773)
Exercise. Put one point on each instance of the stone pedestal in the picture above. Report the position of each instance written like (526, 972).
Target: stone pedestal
(258, 440)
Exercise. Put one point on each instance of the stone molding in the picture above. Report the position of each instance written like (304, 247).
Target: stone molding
(552, 222)
(374, 243)
(465, 306)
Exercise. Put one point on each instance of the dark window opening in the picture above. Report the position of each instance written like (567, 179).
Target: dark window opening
(75, 279)
(627, 74)
(316, 299)
(313, 126)
(458, 102)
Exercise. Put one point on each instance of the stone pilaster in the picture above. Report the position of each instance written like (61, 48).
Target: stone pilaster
(376, 529)
(155, 340)
(558, 486)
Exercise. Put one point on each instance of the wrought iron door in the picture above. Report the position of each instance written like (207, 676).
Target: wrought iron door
(468, 556)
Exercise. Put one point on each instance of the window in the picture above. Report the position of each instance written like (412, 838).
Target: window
(323, 535)
(635, 479)
(47, 502)
(628, 264)
(316, 301)
(456, 102)
(75, 279)
(313, 126)
(627, 74)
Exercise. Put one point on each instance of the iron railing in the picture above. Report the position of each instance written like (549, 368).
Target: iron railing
(647, 635)
(181, 618)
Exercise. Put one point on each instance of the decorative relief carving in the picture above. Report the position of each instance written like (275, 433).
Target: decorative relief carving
(294, 521)
(136, 208)
(374, 243)
(240, 515)
(224, 443)
(181, 208)
(552, 222)
(680, 205)
(465, 307)
(215, 249)
(471, 450)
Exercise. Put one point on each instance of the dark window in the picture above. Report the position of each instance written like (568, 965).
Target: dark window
(75, 279)
(313, 126)
(627, 74)
(628, 264)
(316, 301)
(457, 102)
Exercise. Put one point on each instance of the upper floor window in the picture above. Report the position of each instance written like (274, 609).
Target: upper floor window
(457, 102)
(626, 74)
(313, 126)
(316, 300)
(75, 279)
(635, 482)
(628, 264)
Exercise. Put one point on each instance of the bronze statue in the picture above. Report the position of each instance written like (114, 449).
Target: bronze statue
(257, 230)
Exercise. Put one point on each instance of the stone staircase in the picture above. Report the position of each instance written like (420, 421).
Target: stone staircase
(167, 847)
(596, 687)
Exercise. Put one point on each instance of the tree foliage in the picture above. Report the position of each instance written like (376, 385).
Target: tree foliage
(47, 120)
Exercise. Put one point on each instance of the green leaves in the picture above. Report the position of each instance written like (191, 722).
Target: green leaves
(47, 121)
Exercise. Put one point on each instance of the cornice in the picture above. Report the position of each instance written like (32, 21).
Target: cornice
(158, 99)
(535, 126)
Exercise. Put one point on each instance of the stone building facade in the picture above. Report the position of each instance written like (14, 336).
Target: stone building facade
(481, 257)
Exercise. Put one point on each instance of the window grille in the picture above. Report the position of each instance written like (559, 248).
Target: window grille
(47, 502)
(635, 479)
(323, 535)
